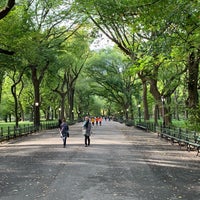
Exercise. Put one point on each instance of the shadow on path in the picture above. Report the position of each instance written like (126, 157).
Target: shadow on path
(121, 163)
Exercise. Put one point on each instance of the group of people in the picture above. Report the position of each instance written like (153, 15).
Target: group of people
(97, 120)
(86, 128)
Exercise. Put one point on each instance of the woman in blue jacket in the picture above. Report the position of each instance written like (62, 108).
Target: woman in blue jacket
(64, 129)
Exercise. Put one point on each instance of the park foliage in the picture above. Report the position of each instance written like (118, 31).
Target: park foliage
(51, 68)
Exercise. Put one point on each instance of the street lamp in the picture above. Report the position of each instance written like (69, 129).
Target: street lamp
(72, 115)
(59, 109)
(36, 115)
(139, 112)
(127, 114)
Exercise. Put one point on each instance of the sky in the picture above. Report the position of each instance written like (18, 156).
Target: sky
(101, 43)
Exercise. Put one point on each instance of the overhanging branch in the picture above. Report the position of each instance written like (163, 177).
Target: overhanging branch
(7, 8)
(6, 52)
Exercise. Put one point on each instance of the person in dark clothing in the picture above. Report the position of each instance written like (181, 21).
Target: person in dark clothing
(64, 130)
(87, 126)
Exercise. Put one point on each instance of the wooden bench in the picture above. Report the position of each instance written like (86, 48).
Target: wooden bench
(194, 145)
(182, 138)
(169, 135)
(193, 142)
(141, 126)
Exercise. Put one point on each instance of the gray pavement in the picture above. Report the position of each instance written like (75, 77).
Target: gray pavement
(122, 163)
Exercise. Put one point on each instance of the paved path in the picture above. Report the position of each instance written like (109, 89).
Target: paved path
(122, 163)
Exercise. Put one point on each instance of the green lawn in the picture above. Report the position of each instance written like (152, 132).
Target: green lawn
(7, 129)
(5, 125)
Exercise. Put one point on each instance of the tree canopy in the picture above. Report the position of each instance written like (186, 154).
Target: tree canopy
(154, 63)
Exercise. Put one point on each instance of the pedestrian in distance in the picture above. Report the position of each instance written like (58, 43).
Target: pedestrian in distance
(64, 130)
(87, 130)
(93, 120)
(100, 121)
(97, 121)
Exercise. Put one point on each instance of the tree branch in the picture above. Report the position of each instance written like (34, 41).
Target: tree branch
(6, 52)
(7, 8)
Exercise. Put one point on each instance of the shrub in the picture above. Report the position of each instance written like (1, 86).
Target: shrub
(129, 123)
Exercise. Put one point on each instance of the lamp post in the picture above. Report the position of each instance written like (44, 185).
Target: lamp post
(37, 115)
(51, 114)
(127, 114)
(139, 112)
(72, 115)
(59, 109)
(79, 115)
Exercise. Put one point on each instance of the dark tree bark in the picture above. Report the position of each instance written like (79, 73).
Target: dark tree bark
(3, 13)
(145, 102)
(15, 96)
(193, 72)
(36, 80)
(37, 102)
(13, 90)
(62, 91)
(7, 8)
(71, 103)
(3, 51)
(72, 75)
(144, 96)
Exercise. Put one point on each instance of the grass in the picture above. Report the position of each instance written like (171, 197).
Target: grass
(7, 128)
(179, 123)
(5, 125)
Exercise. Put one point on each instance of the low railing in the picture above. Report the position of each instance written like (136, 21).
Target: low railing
(181, 136)
(13, 132)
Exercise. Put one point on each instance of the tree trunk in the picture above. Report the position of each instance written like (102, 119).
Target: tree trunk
(16, 97)
(7, 8)
(37, 105)
(2, 73)
(144, 96)
(161, 103)
(145, 102)
(21, 111)
(193, 70)
(71, 103)
(176, 111)
(156, 113)
(62, 111)
(13, 90)
(131, 110)
(37, 77)
(48, 113)
(36, 85)
(167, 112)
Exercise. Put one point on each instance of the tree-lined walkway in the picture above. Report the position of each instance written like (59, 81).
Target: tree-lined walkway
(121, 163)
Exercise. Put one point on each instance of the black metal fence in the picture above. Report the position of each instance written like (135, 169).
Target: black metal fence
(13, 132)
(190, 139)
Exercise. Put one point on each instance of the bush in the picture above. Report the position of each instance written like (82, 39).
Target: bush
(129, 123)
(71, 122)
(194, 119)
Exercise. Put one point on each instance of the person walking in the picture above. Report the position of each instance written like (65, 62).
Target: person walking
(97, 121)
(64, 130)
(87, 128)
(93, 120)
(100, 121)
